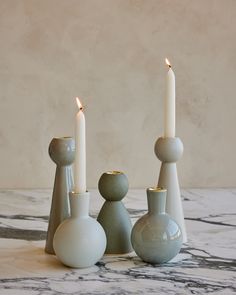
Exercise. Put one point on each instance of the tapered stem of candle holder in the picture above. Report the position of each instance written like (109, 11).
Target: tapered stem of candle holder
(169, 150)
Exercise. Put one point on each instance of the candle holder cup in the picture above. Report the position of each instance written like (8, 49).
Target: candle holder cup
(169, 150)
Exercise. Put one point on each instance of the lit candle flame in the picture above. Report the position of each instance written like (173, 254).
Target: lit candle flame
(79, 103)
(168, 63)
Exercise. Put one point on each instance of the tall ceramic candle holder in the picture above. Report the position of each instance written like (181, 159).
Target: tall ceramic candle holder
(169, 150)
(80, 240)
(62, 152)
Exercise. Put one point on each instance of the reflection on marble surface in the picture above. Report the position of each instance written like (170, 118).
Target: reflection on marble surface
(206, 264)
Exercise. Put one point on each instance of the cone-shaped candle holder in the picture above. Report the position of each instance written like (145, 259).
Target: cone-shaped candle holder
(62, 152)
(169, 150)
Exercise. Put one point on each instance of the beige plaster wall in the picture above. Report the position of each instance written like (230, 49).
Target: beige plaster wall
(111, 54)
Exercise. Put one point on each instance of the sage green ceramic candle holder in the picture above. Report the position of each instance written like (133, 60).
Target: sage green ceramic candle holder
(113, 216)
(156, 237)
(62, 152)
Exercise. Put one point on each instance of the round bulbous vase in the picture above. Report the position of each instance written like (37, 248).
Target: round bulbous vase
(80, 240)
(156, 237)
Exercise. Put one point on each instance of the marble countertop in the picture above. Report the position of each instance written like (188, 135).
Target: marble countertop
(206, 264)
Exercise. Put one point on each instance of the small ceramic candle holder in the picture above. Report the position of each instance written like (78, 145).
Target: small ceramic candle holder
(80, 240)
(113, 216)
(169, 150)
(156, 237)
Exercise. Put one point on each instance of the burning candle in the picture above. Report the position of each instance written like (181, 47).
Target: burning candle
(169, 114)
(80, 151)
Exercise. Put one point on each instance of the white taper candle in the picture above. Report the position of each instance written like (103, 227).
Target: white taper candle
(80, 151)
(169, 114)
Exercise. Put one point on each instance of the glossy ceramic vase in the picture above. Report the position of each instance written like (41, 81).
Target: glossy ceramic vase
(61, 151)
(79, 241)
(156, 237)
(113, 216)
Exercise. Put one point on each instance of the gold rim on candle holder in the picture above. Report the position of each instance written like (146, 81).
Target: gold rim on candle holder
(157, 189)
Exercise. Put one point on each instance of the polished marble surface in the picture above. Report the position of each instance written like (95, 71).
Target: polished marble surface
(206, 264)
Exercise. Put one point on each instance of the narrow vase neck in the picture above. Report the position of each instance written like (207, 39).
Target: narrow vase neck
(156, 201)
(79, 204)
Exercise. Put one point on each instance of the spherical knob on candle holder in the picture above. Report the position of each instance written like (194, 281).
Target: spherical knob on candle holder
(62, 151)
(169, 150)
(113, 185)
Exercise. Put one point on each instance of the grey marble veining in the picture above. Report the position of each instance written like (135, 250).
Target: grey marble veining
(206, 264)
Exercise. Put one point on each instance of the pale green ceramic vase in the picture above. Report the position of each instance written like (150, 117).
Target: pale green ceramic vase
(156, 237)
(79, 241)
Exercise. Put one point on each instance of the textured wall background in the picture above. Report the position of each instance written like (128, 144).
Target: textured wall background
(111, 54)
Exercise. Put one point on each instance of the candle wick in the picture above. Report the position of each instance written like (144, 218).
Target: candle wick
(169, 66)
